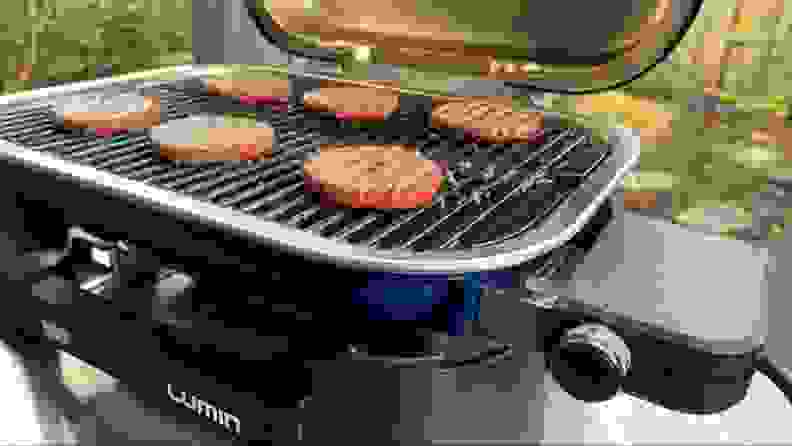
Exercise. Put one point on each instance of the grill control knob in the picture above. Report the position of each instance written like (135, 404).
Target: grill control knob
(590, 362)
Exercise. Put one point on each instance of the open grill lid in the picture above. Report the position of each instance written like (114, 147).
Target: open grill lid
(565, 46)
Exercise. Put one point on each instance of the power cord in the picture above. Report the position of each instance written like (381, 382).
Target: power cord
(778, 375)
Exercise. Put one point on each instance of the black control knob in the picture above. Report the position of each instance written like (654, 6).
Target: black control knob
(590, 362)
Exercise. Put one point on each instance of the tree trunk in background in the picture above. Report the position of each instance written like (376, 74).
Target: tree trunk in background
(729, 26)
(714, 57)
(760, 26)
(39, 13)
(34, 31)
(737, 53)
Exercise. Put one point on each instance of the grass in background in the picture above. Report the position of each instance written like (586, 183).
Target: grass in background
(66, 40)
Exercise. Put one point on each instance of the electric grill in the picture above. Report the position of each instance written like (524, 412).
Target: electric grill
(207, 269)
(178, 212)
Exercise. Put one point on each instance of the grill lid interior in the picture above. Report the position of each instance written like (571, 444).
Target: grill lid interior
(564, 45)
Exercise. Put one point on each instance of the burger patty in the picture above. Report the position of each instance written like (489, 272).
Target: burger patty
(105, 115)
(353, 103)
(260, 91)
(372, 176)
(489, 122)
(214, 138)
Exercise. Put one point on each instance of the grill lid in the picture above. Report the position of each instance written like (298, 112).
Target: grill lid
(559, 45)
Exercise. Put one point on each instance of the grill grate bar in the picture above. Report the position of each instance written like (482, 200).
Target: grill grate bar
(167, 171)
(474, 198)
(175, 178)
(121, 150)
(296, 174)
(134, 166)
(213, 181)
(452, 241)
(367, 220)
(540, 175)
(125, 159)
(282, 209)
(591, 165)
(441, 198)
(256, 205)
(277, 195)
(24, 111)
(70, 141)
(19, 122)
(26, 133)
(32, 139)
(92, 146)
(484, 167)
(304, 215)
(485, 154)
(146, 174)
(324, 223)
(100, 153)
(548, 207)
(465, 158)
(256, 189)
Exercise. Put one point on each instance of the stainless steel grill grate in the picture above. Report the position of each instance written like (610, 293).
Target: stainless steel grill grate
(496, 191)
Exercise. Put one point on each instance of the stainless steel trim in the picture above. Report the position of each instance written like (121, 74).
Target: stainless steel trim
(495, 353)
(562, 225)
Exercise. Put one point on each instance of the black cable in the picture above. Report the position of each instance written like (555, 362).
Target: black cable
(778, 375)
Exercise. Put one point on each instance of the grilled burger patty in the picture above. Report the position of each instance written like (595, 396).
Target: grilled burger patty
(214, 138)
(103, 114)
(255, 91)
(353, 103)
(490, 122)
(373, 176)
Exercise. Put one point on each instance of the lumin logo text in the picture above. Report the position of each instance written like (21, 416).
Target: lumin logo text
(201, 407)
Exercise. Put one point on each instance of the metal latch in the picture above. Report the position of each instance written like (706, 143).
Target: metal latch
(126, 265)
(104, 253)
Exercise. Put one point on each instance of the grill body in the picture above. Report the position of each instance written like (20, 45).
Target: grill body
(252, 224)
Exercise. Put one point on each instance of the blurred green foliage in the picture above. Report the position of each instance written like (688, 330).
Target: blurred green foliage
(65, 40)
(678, 78)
